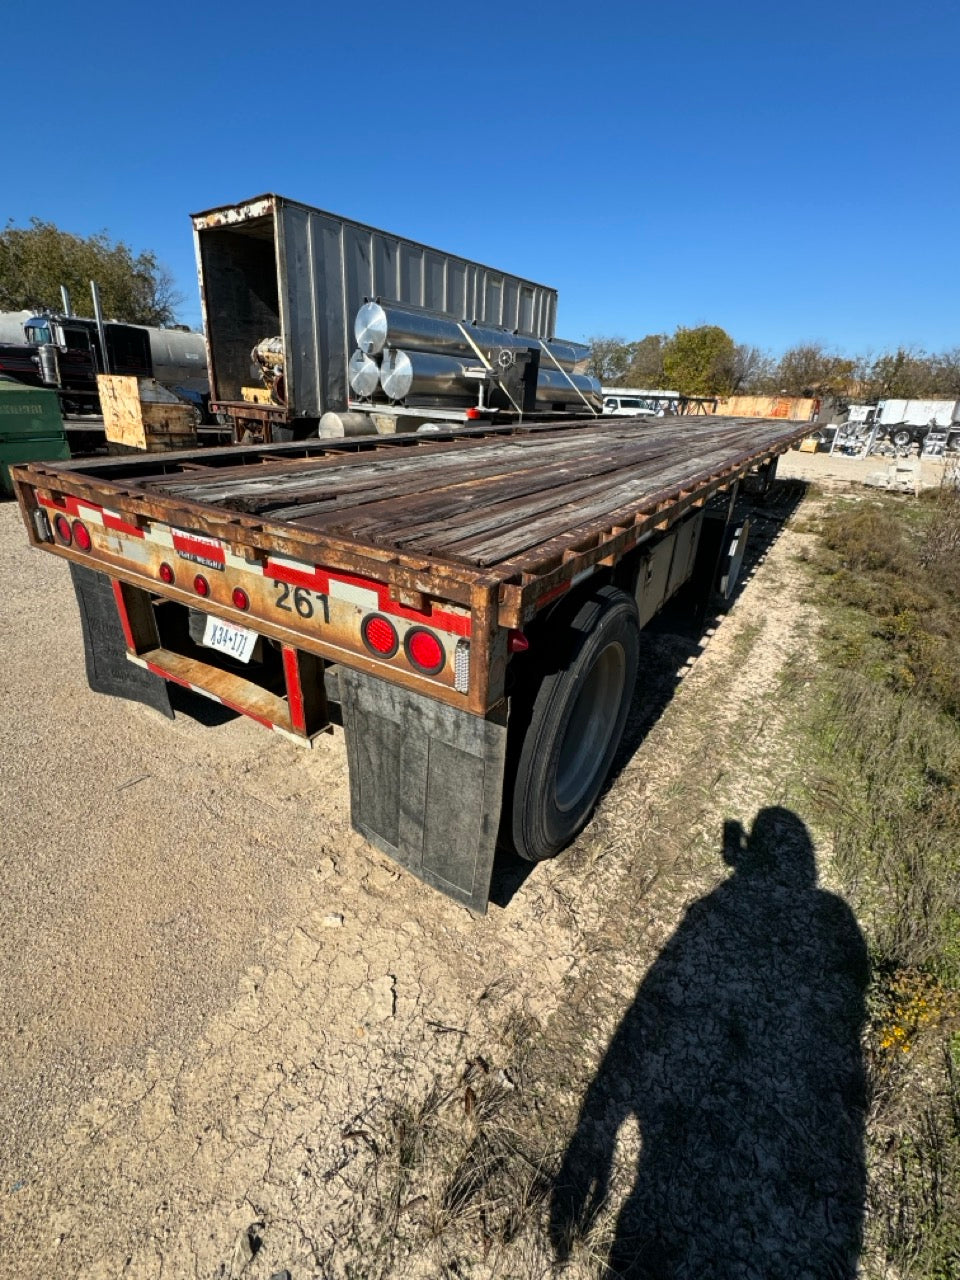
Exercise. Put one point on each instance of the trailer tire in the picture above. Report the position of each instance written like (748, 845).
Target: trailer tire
(573, 727)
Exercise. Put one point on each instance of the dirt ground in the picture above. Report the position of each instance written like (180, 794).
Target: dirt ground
(838, 470)
(216, 991)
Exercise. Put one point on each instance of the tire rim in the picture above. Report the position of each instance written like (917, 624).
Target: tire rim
(590, 727)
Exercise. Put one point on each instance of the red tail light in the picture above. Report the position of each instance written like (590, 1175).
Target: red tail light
(62, 526)
(166, 573)
(424, 651)
(379, 635)
(81, 535)
(201, 586)
(517, 642)
(240, 598)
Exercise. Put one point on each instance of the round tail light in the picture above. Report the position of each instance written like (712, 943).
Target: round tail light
(240, 598)
(201, 586)
(166, 573)
(62, 526)
(81, 535)
(379, 635)
(424, 651)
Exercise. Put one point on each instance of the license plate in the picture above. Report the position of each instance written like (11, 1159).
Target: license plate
(237, 642)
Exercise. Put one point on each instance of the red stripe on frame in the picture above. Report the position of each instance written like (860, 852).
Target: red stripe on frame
(208, 549)
(452, 622)
(267, 724)
(291, 670)
(317, 579)
(121, 526)
(124, 617)
(553, 593)
(159, 671)
(68, 504)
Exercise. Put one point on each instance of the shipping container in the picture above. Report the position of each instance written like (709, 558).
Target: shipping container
(274, 267)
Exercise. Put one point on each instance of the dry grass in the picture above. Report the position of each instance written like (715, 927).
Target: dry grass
(886, 740)
(459, 1176)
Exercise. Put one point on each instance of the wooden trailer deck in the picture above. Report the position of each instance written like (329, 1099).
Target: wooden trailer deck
(484, 500)
(524, 508)
(489, 500)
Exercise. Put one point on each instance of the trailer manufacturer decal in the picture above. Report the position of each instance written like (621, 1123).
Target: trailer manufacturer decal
(208, 552)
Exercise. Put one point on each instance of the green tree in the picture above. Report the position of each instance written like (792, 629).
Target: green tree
(36, 260)
(609, 360)
(700, 361)
(646, 363)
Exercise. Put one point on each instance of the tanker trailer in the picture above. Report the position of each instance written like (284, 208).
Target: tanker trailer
(179, 359)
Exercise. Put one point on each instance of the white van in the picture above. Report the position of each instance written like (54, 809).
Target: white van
(628, 402)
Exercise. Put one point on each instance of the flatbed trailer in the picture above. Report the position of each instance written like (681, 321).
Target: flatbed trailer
(466, 605)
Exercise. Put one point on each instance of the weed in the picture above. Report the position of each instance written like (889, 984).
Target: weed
(460, 1175)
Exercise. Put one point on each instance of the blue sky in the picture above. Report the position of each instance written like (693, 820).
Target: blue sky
(787, 171)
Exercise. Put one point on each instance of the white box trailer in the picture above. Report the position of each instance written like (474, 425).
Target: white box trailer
(907, 421)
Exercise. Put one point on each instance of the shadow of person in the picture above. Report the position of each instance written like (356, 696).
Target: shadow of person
(740, 1060)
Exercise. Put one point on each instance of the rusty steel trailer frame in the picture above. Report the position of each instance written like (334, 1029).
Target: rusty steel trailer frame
(501, 597)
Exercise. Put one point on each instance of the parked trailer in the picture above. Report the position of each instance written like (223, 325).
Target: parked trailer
(908, 422)
(467, 605)
(272, 266)
(63, 352)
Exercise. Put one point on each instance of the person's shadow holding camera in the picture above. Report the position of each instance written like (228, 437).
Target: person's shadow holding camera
(740, 1059)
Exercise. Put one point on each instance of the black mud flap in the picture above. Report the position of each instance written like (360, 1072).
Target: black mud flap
(105, 649)
(426, 784)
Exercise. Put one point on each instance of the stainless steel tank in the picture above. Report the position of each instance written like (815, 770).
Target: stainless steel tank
(378, 326)
(364, 374)
(553, 387)
(337, 423)
(425, 373)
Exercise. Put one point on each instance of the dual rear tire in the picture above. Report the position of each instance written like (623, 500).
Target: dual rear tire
(565, 735)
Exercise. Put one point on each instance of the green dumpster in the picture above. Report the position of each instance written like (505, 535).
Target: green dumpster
(31, 429)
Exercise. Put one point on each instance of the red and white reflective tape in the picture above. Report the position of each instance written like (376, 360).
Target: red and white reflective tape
(365, 593)
(91, 514)
(198, 546)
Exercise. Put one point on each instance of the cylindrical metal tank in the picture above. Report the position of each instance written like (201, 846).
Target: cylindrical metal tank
(343, 423)
(425, 373)
(11, 326)
(364, 374)
(378, 326)
(179, 359)
(569, 355)
(554, 388)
